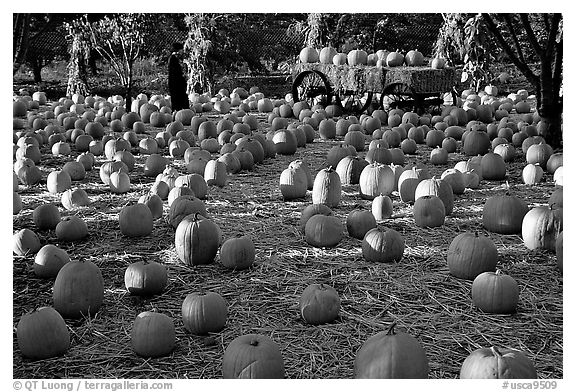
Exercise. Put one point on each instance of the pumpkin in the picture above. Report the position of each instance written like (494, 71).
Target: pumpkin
(204, 312)
(391, 355)
(470, 254)
(429, 211)
(183, 206)
(154, 165)
(46, 216)
(312, 210)
(540, 227)
(382, 207)
(309, 55)
(532, 174)
(357, 57)
(538, 153)
(238, 253)
(252, 356)
(327, 188)
(503, 214)
(376, 179)
(319, 304)
(554, 162)
(215, 173)
(559, 176)
(456, 179)
(25, 242)
(556, 198)
(493, 167)
(154, 203)
(293, 183)
(145, 278)
(495, 363)
(436, 187)
(197, 240)
(71, 228)
(285, 142)
(394, 59)
(382, 246)
(153, 334)
(136, 220)
(49, 260)
(303, 165)
(323, 231)
(42, 334)
(78, 289)
(110, 167)
(476, 143)
(359, 222)
(58, 181)
(494, 292)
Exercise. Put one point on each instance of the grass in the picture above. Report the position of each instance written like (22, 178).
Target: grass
(417, 293)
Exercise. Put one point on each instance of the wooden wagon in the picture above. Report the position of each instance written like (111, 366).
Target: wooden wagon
(356, 88)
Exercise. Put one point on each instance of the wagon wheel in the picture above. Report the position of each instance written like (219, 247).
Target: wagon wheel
(398, 95)
(312, 87)
(436, 102)
(355, 102)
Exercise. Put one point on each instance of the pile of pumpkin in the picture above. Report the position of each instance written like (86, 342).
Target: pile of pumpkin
(380, 58)
(78, 123)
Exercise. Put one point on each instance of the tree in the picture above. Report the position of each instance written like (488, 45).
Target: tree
(21, 30)
(118, 39)
(544, 35)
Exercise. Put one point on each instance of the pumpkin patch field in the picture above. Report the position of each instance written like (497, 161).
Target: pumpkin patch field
(255, 237)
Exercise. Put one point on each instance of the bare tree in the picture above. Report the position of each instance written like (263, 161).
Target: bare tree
(543, 34)
(118, 39)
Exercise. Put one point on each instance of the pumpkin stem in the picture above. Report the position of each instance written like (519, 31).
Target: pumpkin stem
(254, 342)
(391, 329)
(496, 352)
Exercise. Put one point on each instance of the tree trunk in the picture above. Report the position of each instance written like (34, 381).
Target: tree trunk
(77, 76)
(21, 29)
(37, 69)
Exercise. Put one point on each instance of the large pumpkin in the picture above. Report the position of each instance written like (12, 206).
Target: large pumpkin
(293, 183)
(470, 254)
(359, 222)
(238, 253)
(49, 260)
(494, 292)
(503, 214)
(78, 289)
(493, 167)
(312, 210)
(136, 220)
(46, 216)
(197, 239)
(376, 179)
(540, 227)
(204, 312)
(495, 363)
(42, 334)
(323, 231)
(436, 187)
(25, 242)
(392, 355)
(71, 228)
(350, 168)
(327, 188)
(252, 356)
(429, 211)
(145, 278)
(319, 304)
(153, 335)
(382, 246)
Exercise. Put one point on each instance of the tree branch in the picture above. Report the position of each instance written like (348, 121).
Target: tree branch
(530, 33)
(510, 25)
(552, 36)
(523, 67)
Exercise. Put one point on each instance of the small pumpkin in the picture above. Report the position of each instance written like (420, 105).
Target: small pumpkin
(252, 356)
(293, 183)
(495, 363)
(136, 220)
(238, 253)
(46, 216)
(327, 188)
(204, 312)
(310, 211)
(71, 228)
(391, 355)
(42, 334)
(376, 179)
(76, 197)
(319, 304)
(436, 187)
(153, 335)
(382, 207)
